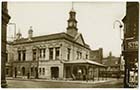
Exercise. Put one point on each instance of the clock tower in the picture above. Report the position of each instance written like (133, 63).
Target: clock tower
(72, 24)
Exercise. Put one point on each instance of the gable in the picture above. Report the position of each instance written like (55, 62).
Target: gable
(79, 39)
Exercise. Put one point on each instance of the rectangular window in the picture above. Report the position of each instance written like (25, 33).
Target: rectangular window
(80, 55)
(50, 53)
(44, 51)
(34, 54)
(86, 56)
(40, 71)
(43, 71)
(19, 55)
(24, 55)
(77, 55)
(6, 57)
(40, 53)
(57, 50)
(7, 70)
(68, 55)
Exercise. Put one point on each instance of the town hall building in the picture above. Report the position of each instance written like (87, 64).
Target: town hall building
(56, 56)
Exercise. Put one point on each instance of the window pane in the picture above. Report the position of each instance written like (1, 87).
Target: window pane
(57, 53)
(34, 54)
(50, 53)
(68, 55)
(43, 71)
(44, 51)
(24, 55)
(19, 55)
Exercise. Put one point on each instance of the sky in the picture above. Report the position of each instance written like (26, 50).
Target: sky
(95, 21)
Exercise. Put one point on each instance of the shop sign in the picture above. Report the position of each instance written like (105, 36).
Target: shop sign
(132, 45)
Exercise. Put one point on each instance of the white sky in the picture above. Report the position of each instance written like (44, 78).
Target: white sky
(95, 21)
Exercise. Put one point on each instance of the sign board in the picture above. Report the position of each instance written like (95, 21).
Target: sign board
(132, 45)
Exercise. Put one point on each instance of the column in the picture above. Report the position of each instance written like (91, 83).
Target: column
(93, 71)
(106, 72)
(53, 53)
(72, 72)
(64, 72)
(60, 53)
(42, 54)
(21, 57)
(98, 73)
(87, 73)
(47, 54)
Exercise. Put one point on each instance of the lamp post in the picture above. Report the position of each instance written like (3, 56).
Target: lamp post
(120, 26)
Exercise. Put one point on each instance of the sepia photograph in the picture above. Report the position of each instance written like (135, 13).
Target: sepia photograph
(69, 44)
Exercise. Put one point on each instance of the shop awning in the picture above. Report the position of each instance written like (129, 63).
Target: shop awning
(84, 62)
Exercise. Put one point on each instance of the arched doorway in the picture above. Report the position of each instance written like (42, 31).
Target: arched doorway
(54, 72)
(23, 71)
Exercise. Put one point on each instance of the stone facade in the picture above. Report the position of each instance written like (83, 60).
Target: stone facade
(47, 62)
(51, 56)
(44, 56)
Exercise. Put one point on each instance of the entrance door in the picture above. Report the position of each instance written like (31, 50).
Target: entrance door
(15, 72)
(23, 71)
(54, 72)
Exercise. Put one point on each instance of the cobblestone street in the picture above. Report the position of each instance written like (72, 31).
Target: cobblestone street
(113, 83)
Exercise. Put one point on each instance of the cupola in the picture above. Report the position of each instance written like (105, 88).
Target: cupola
(72, 23)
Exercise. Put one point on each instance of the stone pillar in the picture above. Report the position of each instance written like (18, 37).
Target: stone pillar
(106, 73)
(87, 72)
(53, 53)
(5, 20)
(64, 71)
(98, 73)
(42, 54)
(72, 71)
(47, 54)
(21, 58)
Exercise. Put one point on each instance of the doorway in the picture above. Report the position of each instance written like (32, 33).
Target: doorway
(54, 72)
(23, 71)
(15, 72)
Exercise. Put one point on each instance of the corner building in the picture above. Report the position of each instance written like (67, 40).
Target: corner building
(55, 56)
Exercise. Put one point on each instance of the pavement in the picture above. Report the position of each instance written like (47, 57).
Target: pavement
(72, 81)
(44, 83)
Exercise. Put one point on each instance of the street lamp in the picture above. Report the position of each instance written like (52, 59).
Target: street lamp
(120, 26)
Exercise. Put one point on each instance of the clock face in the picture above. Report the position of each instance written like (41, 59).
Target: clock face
(74, 24)
(70, 24)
